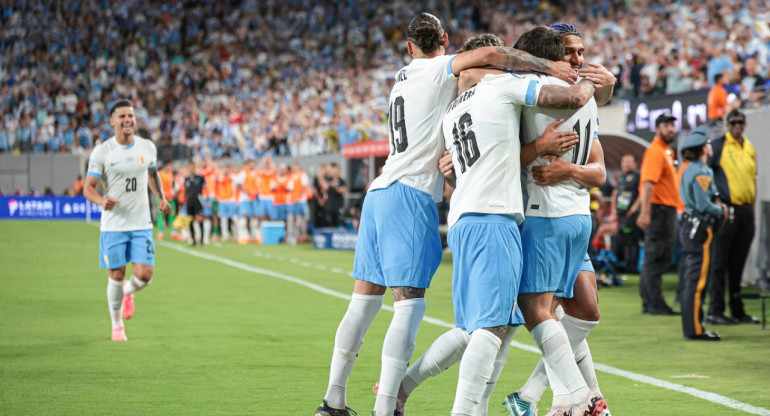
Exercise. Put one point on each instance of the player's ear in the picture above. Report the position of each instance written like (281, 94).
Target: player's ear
(445, 40)
(410, 48)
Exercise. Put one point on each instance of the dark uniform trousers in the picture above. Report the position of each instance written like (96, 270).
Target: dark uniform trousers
(729, 253)
(695, 271)
(658, 243)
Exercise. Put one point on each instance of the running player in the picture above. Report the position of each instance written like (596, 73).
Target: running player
(398, 241)
(122, 164)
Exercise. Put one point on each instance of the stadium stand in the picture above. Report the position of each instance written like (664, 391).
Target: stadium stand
(300, 77)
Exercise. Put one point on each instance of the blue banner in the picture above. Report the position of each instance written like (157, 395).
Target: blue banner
(334, 238)
(48, 208)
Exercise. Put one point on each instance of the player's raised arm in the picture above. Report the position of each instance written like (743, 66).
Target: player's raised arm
(512, 59)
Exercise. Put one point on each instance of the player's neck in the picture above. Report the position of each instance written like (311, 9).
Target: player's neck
(124, 140)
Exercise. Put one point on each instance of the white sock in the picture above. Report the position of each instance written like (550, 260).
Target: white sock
(397, 349)
(242, 228)
(561, 397)
(577, 331)
(134, 284)
(482, 408)
(536, 384)
(445, 351)
(186, 235)
(196, 231)
(350, 336)
(552, 341)
(206, 231)
(476, 369)
(254, 228)
(223, 226)
(115, 301)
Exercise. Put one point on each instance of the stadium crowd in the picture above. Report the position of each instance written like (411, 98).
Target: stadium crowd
(244, 78)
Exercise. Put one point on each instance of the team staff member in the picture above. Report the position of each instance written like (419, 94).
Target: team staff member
(657, 216)
(735, 172)
(697, 231)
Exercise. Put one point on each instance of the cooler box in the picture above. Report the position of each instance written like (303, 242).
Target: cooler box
(273, 231)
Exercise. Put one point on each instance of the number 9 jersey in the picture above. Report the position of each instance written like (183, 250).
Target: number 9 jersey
(422, 92)
(123, 172)
(568, 197)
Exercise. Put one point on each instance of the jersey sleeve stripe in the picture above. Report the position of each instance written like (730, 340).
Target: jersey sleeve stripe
(153, 167)
(94, 174)
(449, 65)
(530, 98)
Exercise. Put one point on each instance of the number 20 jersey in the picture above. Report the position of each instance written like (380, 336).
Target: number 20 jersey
(123, 172)
(568, 197)
(481, 130)
(422, 92)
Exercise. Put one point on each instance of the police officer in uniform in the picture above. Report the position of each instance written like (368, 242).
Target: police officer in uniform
(701, 215)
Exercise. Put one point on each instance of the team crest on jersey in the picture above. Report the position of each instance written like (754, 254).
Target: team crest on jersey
(141, 159)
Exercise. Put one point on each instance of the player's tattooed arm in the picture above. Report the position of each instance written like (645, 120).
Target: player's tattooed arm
(517, 60)
(512, 59)
(405, 292)
(576, 96)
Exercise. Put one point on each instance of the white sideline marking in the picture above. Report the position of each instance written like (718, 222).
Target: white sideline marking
(700, 394)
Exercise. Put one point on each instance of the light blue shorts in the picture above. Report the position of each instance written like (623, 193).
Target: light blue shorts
(299, 209)
(263, 207)
(487, 264)
(279, 212)
(247, 207)
(228, 210)
(117, 248)
(554, 249)
(398, 240)
(208, 206)
(568, 292)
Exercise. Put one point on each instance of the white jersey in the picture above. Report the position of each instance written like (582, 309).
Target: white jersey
(123, 171)
(481, 130)
(568, 197)
(422, 92)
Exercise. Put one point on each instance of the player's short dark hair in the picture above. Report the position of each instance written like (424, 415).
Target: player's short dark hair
(425, 31)
(542, 42)
(118, 104)
(717, 78)
(481, 40)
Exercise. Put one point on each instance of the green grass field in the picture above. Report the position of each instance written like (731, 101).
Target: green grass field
(244, 331)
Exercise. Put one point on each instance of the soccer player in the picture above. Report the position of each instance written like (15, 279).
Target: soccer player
(225, 191)
(194, 184)
(122, 164)
(297, 226)
(167, 181)
(398, 241)
(558, 192)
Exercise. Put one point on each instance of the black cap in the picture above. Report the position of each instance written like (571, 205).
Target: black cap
(664, 118)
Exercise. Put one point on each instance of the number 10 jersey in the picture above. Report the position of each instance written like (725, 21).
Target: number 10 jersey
(422, 92)
(568, 197)
(123, 172)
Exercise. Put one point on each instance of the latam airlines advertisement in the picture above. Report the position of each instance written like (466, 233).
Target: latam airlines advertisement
(48, 208)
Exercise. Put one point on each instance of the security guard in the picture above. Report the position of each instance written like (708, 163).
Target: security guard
(698, 191)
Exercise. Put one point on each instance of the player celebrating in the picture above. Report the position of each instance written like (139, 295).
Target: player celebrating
(398, 241)
(122, 163)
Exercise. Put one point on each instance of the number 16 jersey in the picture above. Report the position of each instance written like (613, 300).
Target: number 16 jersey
(481, 130)
(422, 92)
(123, 172)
